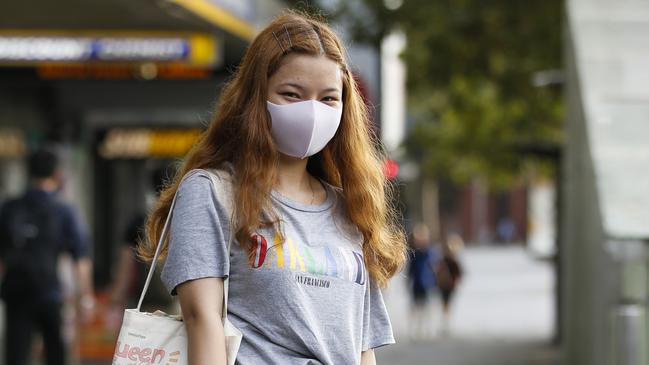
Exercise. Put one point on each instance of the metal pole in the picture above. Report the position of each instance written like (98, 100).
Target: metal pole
(629, 335)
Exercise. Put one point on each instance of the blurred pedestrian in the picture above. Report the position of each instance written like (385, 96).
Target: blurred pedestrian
(449, 274)
(309, 258)
(130, 273)
(35, 229)
(421, 277)
(506, 230)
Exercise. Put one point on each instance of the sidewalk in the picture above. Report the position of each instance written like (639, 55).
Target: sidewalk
(502, 315)
(468, 352)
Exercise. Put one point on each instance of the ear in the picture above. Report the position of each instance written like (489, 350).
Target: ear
(58, 176)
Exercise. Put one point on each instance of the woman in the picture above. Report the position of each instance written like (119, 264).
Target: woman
(449, 274)
(311, 218)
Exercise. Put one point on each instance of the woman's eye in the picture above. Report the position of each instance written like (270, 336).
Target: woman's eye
(329, 98)
(291, 95)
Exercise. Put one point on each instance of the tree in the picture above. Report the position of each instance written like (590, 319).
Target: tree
(470, 68)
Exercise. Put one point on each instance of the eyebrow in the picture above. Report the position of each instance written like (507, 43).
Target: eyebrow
(301, 88)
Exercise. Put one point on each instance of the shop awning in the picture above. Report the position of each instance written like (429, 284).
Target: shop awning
(235, 18)
(198, 33)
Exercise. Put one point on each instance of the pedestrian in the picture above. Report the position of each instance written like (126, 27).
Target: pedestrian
(129, 272)
(449, 274)
(421, 277)
(35, 229)
(506, 229)
(315, 235)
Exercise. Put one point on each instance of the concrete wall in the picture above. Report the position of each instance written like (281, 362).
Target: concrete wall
(590, 277)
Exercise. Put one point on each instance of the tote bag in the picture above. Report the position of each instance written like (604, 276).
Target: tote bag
(159, 338)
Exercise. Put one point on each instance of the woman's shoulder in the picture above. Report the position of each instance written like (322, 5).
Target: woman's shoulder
(220, 177)
(206, 183)
(195, 181)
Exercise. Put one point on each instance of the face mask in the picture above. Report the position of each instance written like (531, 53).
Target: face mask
(304, 128)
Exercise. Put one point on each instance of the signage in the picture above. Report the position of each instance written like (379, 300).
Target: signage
(144, 143)
(12, 143)
(145, 71)
(186, 48)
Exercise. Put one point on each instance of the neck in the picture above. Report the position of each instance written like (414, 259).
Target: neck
(46, 184)
(292, 174)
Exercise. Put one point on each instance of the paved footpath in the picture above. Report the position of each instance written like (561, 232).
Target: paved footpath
(502, 315)
(468, 352)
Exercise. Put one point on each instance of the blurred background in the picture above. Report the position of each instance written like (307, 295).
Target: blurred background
(517, 133)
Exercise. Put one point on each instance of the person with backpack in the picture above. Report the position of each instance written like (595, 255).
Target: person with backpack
(449, 274)
(35, 229)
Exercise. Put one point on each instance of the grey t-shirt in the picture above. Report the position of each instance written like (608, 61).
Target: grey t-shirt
(308, 301)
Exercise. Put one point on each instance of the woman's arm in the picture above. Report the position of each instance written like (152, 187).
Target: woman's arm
(201, 301)
(367, 357)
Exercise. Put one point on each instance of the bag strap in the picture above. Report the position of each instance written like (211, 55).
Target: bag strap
(223, 193)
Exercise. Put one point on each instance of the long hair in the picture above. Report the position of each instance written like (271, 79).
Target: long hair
(240, 134)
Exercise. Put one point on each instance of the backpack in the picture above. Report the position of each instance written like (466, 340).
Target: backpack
(30, 253)
(445, 278)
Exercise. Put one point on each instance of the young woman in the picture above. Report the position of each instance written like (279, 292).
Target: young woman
(315, 234)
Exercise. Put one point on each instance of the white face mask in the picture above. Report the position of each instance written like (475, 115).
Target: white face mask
(304, 128)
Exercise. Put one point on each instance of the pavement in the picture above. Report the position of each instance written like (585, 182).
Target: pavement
(502, 314)
(468, 352)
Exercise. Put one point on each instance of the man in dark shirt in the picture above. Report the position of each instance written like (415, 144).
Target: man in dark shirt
(35, 229)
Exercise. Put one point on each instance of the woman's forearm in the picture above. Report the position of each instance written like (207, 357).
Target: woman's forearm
(206, 341)
(367, 357)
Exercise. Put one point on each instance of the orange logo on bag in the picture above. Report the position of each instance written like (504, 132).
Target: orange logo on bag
(144, 355)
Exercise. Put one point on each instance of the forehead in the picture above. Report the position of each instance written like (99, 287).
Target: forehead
(310, 70)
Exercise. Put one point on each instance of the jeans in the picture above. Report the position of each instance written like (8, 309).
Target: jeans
(22, 320)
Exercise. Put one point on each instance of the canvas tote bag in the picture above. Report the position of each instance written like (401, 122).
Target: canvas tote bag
(159, 338)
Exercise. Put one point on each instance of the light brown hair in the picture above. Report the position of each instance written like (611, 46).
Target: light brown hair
(240, 135)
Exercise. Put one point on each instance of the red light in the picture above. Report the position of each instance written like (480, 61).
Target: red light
(391, 169)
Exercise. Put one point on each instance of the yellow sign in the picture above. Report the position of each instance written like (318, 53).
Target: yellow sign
(143, 143)
(12, 143)
(218, 15)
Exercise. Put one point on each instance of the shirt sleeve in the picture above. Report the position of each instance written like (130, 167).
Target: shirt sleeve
(75, 235)
(199, 235)
(377, 330)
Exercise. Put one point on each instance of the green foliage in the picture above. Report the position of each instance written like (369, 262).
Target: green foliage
(470, 67)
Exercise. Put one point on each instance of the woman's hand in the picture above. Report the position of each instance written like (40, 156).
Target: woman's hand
(201, 302)
(367, 357)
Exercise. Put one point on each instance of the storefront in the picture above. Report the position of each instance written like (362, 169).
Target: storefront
(93, 78)
(81, 105)
(122, 89)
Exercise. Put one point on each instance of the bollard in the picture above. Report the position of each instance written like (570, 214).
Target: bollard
(629, 335)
